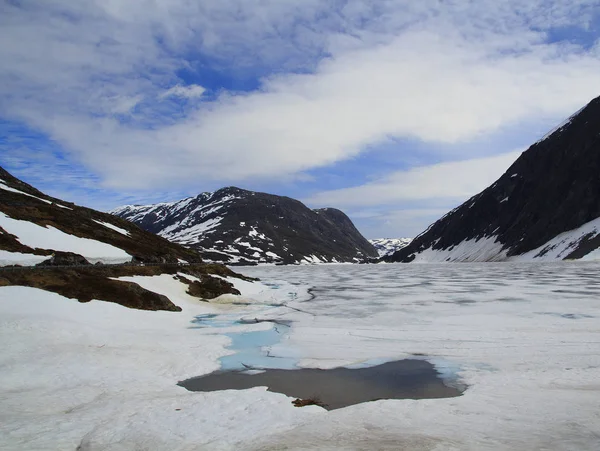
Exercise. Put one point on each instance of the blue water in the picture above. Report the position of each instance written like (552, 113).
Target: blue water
(251, 348)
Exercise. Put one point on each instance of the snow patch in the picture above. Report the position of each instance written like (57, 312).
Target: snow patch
(36, 236)
(112, 227)
(12, 190)
(16, 258)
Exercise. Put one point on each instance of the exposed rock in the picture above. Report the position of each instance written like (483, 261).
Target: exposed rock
(65, 259)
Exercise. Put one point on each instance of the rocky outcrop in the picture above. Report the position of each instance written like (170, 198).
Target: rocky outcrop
(65, 259)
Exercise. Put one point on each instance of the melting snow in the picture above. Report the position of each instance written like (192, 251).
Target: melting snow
(33, 235)
(17, 258)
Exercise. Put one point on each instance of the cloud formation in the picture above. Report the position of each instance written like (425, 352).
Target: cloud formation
(104, 81)
(189, 92)
(448, 180)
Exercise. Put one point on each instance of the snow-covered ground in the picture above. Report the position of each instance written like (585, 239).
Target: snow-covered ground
(523, 337)
(48, 237)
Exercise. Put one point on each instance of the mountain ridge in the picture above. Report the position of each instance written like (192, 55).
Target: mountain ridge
(237, 226)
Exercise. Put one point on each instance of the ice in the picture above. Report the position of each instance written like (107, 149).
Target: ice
(523, 337)
(112, 227)
(33, 235)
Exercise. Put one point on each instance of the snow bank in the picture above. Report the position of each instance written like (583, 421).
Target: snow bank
(33, 235)
(18, 258)
(112, 227)
(523, 337)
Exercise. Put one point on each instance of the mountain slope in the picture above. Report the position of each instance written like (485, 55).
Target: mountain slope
(33, 223)
(63, 240)
(387, 246)
(233, 225)
(551, 190)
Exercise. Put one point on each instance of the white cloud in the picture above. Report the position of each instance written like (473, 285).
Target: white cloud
(436, 72)
(449, 180)
(188, 92)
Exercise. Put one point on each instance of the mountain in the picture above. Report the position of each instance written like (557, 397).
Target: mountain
(545, 207)
(237, 226)
(387, 246)
(78, 252)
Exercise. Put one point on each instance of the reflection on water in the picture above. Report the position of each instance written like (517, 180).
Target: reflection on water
(338, 387)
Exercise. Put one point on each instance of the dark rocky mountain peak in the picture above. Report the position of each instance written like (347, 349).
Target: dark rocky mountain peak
(542, 208)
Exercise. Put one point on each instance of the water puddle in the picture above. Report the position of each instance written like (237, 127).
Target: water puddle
(338, 387)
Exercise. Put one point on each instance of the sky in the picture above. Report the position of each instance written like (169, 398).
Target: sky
(393, 111)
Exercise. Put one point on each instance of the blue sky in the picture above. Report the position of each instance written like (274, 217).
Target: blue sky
(393, 111)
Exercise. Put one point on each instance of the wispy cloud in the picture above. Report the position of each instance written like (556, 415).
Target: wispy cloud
(191, 91)
(448, 180)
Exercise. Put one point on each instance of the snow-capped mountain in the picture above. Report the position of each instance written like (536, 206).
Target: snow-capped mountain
(545, 207)
(237, 226)
(387, 246)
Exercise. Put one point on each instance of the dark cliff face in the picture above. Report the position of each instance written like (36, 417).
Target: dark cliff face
(552, 188)
(243, 227)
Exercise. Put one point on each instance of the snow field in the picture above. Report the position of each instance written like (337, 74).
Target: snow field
(101, 376)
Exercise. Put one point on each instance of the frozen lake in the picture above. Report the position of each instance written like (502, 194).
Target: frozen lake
(524, 338)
